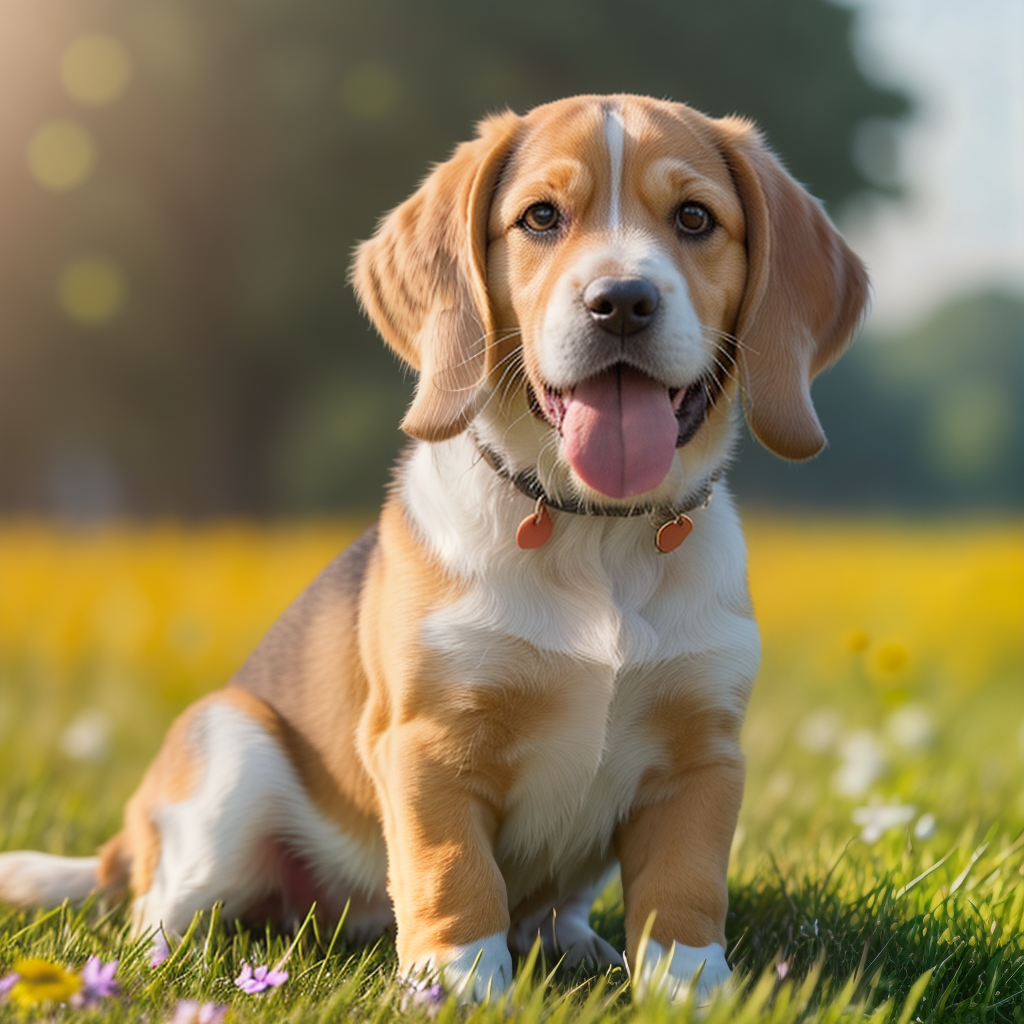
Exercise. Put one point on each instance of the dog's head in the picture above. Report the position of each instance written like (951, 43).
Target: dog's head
(618, 266)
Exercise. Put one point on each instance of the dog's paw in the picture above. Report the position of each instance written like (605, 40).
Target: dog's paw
(591, 950)
(681, 970)
(566, 936)
(474, 973)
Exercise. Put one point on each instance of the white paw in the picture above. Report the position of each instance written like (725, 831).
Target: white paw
(672, 971)
(475, 973)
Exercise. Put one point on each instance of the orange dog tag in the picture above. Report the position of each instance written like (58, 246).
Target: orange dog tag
(672, 534)
(535, 530)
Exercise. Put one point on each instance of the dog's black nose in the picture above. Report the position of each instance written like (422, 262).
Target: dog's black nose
(621, 305)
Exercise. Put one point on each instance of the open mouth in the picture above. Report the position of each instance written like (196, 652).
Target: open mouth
(621, 427)
(690, 404)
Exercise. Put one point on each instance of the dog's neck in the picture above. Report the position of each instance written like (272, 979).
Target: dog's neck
(527, 482)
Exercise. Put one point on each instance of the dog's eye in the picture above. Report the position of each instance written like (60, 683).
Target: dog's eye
(540, 217)
(694, 219)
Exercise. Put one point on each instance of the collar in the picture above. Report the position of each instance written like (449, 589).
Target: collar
(671, 522)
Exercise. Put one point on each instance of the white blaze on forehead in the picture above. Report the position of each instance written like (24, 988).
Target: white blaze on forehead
(615, 136)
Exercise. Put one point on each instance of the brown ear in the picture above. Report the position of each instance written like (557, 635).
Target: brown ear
(422, 281)
(805, 294)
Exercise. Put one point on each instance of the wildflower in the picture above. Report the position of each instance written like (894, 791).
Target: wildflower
(819, 731)
(39, 981)
(7, 982)
(421, 996)
(890, 661)
(878, 819)
(160, 951)
(97, 982)
(925, 827)
(864, 762)
(857, 641)
(87, 738)
(258, 980)
(189, 1011)
(782, 970)
(910, 727)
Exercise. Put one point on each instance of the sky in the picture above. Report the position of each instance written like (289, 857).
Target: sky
(961, 227)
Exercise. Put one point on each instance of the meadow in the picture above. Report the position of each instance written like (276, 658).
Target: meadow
(877, 873)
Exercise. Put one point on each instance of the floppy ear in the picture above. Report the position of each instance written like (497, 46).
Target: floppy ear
(422, 281)
(805, 294)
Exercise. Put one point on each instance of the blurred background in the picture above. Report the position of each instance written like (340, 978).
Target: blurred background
(182, 184)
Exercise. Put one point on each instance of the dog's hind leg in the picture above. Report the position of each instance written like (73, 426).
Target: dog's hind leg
(203, 826)
(223, 816)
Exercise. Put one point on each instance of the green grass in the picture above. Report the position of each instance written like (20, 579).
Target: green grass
(856, 923)
(923, 923)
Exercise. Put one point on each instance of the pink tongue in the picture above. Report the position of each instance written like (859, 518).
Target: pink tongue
(620, 432)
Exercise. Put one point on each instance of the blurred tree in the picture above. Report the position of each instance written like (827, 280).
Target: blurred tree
(177, 333)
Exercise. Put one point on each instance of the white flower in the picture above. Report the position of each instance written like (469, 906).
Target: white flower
(925, 827)
(87, 738)
(864, 763)
(910, 727)
(819, 731)
(877, 819)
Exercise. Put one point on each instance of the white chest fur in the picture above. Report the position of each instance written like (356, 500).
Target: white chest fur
(600, 593)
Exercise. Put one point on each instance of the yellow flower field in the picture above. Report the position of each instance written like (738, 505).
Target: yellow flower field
(187, 605)
(869, 628)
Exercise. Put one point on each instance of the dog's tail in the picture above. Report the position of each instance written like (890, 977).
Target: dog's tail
(30, 879)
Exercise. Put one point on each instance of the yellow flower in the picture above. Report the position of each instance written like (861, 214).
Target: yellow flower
(856, 640)
(891, 659)
(39, 981)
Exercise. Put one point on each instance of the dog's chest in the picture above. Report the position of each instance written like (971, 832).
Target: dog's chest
(585, 639)
(576, 777)
(593, 656)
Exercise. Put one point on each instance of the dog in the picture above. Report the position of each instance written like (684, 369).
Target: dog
(535, 666)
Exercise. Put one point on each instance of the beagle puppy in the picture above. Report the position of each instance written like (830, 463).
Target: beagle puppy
(535, 666)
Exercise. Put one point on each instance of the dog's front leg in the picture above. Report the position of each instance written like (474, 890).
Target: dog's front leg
(450, 902)
(674, 854)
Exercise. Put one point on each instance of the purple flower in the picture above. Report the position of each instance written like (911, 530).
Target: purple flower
(7, 983)
(161, 950)
(97, 983)
(254, 981)
(427, 997)
(188, 1011)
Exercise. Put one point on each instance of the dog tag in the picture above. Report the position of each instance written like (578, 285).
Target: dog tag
(535, 530)
(673, 533)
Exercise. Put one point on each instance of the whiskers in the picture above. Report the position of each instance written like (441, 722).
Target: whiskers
(476, 348)
(726, 347)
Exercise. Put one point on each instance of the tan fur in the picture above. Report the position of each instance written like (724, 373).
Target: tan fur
(804, 298)
(422, 281)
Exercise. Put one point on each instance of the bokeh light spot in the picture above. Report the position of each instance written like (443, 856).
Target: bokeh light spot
(61, 155)
(95, 69)
(370, 90)
(92, 291)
